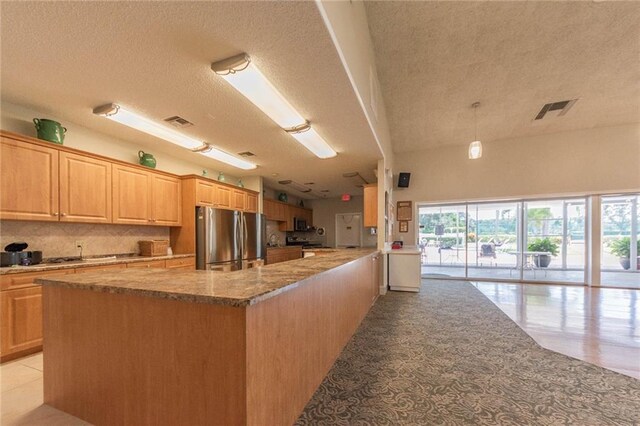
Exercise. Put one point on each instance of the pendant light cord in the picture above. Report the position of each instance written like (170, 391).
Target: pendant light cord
(475, 106)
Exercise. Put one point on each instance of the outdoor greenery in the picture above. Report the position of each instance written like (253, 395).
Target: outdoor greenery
(544, 244)
(622, 247)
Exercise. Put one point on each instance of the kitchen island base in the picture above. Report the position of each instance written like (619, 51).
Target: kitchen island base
(128, 359)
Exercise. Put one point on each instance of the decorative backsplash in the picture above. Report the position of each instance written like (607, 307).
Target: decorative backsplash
(59, 239)
(272, 229)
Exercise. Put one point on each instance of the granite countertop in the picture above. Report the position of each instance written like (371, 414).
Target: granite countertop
(238, 288)
(83, 264)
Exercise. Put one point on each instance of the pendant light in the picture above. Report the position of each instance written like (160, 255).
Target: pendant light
(475, 147)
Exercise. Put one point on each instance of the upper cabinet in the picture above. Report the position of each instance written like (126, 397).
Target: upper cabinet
(285, 214)
(142, 197)
(251, 203)
(55, 183)
(371, 205)
(85, 189)
(166, 200)
(239, 199)
(29, 176)
(131, 195)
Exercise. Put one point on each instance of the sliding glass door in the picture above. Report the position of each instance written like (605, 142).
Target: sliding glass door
(492, 240)
(554, 245)
(442, 238)
(541, 240)
(620, 241)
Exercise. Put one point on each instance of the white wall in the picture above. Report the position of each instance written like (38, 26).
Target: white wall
(324, 215)
(600, 160)
(19, 119)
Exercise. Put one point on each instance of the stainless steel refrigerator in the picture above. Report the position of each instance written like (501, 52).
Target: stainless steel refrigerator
(228, 240)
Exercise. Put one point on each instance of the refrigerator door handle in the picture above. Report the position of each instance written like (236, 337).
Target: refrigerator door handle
(239, 234)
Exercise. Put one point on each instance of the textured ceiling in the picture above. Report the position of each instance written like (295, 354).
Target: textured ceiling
(434, 59)
(66, 58)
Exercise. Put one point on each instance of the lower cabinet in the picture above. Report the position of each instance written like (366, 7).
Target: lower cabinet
(283, 254)
(21, 320)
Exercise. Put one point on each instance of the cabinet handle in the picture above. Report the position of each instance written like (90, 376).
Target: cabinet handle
(63, 214)
(54, 214)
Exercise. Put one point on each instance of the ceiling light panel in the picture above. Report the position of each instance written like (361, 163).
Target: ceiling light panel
(120, 115)
(243, 75)
(311, 140)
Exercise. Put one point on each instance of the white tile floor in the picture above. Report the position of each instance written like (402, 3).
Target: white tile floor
(21, 397)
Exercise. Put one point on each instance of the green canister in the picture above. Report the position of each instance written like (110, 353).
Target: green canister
(50, 130)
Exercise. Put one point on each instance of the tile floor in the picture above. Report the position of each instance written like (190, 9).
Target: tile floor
(21, 397)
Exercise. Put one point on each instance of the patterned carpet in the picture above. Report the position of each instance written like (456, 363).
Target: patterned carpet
(449, 356)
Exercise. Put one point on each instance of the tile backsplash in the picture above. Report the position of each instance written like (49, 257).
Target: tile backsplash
(272, 229)
(58, 239)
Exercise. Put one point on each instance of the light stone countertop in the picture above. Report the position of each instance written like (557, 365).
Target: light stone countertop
(43, 267)
(238, 288)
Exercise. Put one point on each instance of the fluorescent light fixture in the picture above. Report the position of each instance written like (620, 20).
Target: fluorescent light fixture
(240, 72)
(120, 115)
(247, 79)
(475, 150)
(219, 155)
(311, 140)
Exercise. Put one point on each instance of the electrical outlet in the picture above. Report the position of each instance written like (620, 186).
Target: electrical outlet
(80, 244)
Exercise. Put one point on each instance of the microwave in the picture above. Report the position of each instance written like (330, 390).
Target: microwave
(299, 224)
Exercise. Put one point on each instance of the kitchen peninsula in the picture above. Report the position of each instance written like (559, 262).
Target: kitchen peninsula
(198, 347)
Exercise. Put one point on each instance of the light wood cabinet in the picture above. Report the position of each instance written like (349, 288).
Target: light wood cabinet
(251, 203)
(21, 319)
(145, 198)
(283, 254)
(223, 197)
(100, 268)
(21, 313)
(371, 205)
(85, 189)
(29, 176)
(147, 264)
(166, 200)
(131, 195)
(181, 263)
(205, 193)
(239, 198)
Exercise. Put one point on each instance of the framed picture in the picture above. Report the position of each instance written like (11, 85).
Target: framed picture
(403, 226)
(405, 212)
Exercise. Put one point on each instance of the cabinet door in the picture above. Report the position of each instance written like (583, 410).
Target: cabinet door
(29, 176)
(283, 211)
(181, 263)
(223, 197)
(239, 199)
(268, 209)
(131, 195)
(205, 193)
(21, 319)
(148, 264)
(376, 276)
(252, 203)
(166, 200)
(85, 189)
(100, 268)
(371, 206)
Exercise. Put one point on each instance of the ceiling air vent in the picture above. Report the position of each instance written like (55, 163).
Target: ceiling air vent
(557, 108)
(178, 122)
(246, 154)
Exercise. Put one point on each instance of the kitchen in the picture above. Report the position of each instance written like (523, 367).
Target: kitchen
(90, 195)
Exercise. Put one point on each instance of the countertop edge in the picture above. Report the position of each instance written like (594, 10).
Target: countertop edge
(196, 298)
(7, 270)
